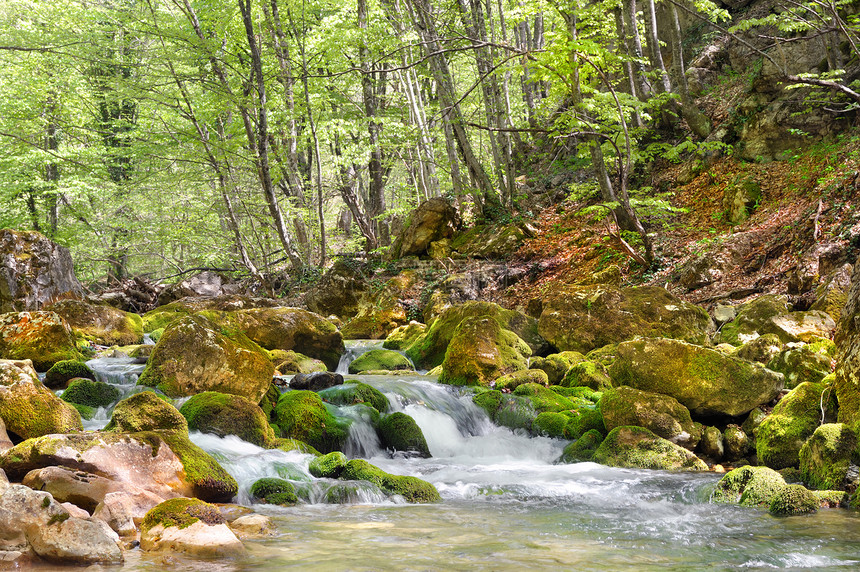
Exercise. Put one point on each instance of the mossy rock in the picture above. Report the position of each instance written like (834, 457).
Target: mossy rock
(270, 400)
(145, 411)
(589, 374)
(86, 411)
(29, 409)
(515, 379)
(302, 415)
(100, 324)
(802, 364)
(377, 360)
(705, 381)
(832, 499)
(223, 414)
(544, 399)
(380, 311)
(585, 420)
(328, 466)
(288, 445)
(62, 372)
(793, 500)
(771, 314)
(737, 443)
(826, 458)
(507, 410)
(355, 392)
(42, 337)
(403, 336)
(556, 365)
(605, 355)
(761, 349)
(208, 479)
(712, 444)
(412, 489)
(637, 447)
(661, 414)
(550, 424)
(749, 486)
(274, 491)
(482, 351)
(583, 318)
(398, 431)
(90, 393)
(489, 241)
(181, 513)
(794, 419)
(288, 362)
(195, 355)
(582, 450)
(429, 349)
(339, 291)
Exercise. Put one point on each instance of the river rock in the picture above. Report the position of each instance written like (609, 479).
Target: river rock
(847, 339)
(659, 413)
(712, 444)
(491, 241)
(339, 291)
(270, 490)
(770, 314)
(28, 408)
(316, 381)
(222, 415)
(433, 220)
(194, 355)
(399, 432)
(103, 325)
(34, 272)
(43, 337)
(403, 336)
(794, 419)
(123, 511)
(380, 360)
(637, 447)
(802, 363)
(482, 351)
(832, 293)
(287, 362)
(62, 372)
(705, 381)
(34, 520)
(302, 415)
(380, 310)
(190, 527)
(556, 365)
(162, 316)
(253, 526)
(761, 349)
(826, 458)
(749, 486)
(428, 350)
(5, 442)
(584, 318)
(206, 283)
(145, 411)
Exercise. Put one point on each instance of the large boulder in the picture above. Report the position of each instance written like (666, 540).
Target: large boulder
(705, 381)
(379, 360)
(190, 527)
(292, 329)
(794, 419)
(428, 350)
(491, 241)
(847, 339)
(826, 458)
(104, 325)
(584, 318)
(380, 310)
(771, 314)
(194, 355)
(412, 489)
(482, 351)
(34, 271)
(33, 520)
(749, 486)
(28, 408)
(434, 219)
(222, 414)
(338, 292)
(400, 432)
(302, 415)
(660, 413)
(162, 316)
(43, 337)
(637, 447)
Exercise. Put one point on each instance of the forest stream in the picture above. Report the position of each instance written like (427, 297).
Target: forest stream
(505, 504)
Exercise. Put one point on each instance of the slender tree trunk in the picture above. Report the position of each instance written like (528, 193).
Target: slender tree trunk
(698, 122)
(633, 42)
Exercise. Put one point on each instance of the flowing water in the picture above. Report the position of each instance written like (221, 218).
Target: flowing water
(506, 506)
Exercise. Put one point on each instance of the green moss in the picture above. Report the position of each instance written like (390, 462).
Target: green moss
(582, 449)
(556, 365)
(489, 401)
(482, 351)
(90, 393)
(793, 500)
(155, 335)
(58, 518)
(550, 424)
(31, 410)
(412, 489)
(379, 360)
(400, 432)
(637, 447)
(208, 479)
(753, 319)
(64, 371)
(826, 457)
(587, 373)
(749, 486)
(660, 413)
(294, 445)
(354, 392)
(224, 414)
(585, 420)
(832, 499)
(578, 393)
(404, 336)
(780, 436)
(274, 491)
(86, 411)
(517, 378)
(288, 361)
(181, 513)
(145, 411)
(302, 415)
(328, 466)
(543, 398)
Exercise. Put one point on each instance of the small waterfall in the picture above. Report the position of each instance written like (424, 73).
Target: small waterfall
(116, 371)
(353, 349)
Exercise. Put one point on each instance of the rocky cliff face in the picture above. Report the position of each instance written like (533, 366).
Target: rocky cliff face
(34, 272)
